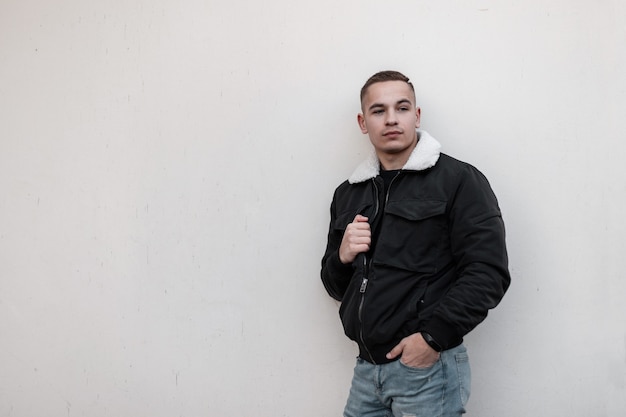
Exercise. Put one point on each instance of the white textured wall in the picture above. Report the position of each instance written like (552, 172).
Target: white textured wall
(165, 174)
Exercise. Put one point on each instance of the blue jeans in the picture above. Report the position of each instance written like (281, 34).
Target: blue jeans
(395, 389)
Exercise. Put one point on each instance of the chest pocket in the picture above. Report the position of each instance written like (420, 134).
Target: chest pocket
(346, 217)
(414, 235)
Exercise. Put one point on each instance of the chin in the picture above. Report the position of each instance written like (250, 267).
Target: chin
(395, 149)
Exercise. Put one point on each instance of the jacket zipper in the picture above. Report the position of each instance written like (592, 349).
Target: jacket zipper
(389, 188)
(365, 281)
(366, 267)
(362, 290)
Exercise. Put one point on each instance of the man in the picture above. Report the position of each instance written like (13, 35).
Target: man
(416, 254)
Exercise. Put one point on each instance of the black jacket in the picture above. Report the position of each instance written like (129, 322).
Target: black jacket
(439, 262)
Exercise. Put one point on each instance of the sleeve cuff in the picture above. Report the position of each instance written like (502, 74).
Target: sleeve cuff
(443, 332)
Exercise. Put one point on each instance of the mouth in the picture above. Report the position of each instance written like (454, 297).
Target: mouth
(392, 133)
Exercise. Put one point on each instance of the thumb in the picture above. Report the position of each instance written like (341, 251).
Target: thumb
(396, 351)
(360, 218)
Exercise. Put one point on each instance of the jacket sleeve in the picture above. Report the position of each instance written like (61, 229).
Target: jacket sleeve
(477, 243)
(335, 275)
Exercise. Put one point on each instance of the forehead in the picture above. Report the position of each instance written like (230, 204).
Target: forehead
(388, 93)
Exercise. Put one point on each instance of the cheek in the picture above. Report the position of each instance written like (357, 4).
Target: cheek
(413, 122)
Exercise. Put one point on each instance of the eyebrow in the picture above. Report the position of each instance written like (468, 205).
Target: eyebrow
(402, 101)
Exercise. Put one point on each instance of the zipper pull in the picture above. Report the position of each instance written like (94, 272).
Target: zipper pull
(363, 285)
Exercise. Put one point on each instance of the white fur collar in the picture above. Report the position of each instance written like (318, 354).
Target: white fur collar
(424, 156)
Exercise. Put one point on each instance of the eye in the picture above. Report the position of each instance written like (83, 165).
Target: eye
(377, 111)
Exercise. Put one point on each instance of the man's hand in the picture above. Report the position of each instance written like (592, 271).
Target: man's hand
(415, 352)
(356, 239)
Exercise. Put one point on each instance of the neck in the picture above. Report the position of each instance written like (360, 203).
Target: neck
(390, 162)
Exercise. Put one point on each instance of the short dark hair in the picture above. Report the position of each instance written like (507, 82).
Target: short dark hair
(382, 76)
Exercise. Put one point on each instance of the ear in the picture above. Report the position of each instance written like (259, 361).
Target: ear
(361, 119)
(418, 113)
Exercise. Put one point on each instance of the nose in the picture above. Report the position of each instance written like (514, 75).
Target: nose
(391, 119)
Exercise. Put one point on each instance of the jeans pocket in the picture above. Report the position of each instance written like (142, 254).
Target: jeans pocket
(425, 370)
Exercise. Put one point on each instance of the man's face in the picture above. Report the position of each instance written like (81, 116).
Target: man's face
(390, 118)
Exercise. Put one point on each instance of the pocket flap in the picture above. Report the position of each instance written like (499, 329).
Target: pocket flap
(347, 217)
(416, 209)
